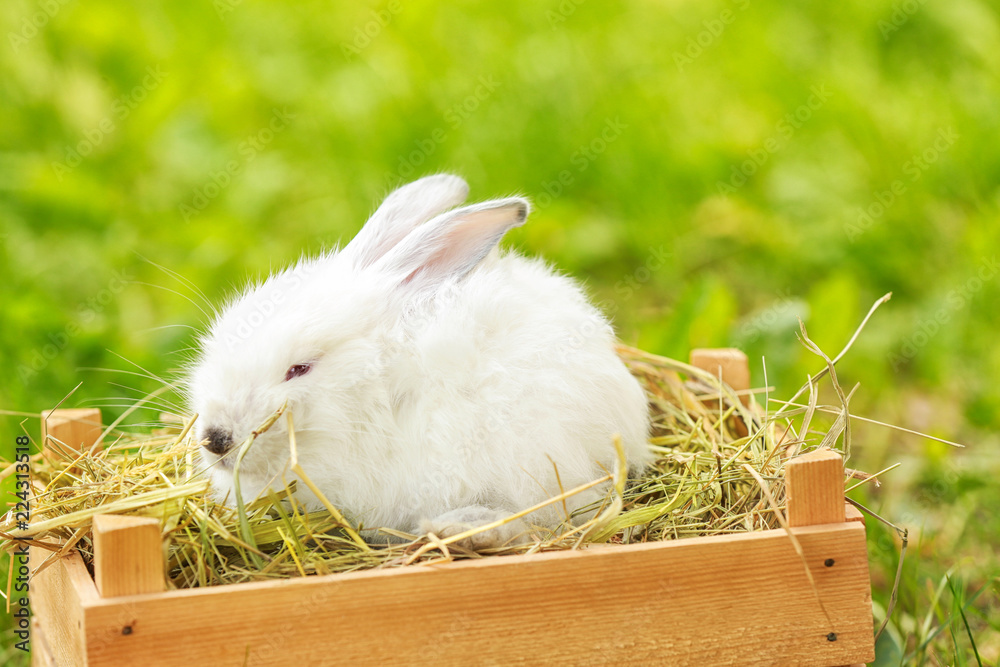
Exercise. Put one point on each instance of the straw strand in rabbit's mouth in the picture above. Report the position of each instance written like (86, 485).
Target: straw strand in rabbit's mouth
(226, 460)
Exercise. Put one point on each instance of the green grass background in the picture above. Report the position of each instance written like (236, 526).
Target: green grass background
(656, 142)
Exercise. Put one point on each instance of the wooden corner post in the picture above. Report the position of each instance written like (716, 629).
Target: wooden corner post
(66, 432)
(728, 362)
(814, 484)
(128, 559)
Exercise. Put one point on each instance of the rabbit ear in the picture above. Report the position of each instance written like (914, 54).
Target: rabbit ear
(404, 210)
(452, 244)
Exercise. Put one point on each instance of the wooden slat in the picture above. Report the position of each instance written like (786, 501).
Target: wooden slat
(66, 432)
(730, 362)
(41, 653)
(740, 599)
(852, 513)
(128, 556)
(814, 484)
(60, 591)
(58, 596)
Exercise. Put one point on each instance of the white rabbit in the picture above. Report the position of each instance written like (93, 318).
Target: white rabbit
(436, 383)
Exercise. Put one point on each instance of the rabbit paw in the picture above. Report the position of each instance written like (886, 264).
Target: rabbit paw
(462, 519)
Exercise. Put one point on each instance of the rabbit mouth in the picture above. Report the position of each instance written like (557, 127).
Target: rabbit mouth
(226, 461)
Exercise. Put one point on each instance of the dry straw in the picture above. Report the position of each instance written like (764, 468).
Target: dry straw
(718, 470)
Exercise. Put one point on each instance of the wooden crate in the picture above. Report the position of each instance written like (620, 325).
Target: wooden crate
(731, 600)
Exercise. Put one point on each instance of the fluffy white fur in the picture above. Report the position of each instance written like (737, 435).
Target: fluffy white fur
(447, 378)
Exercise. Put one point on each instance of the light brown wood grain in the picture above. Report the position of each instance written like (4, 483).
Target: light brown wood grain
(128, 556)
(730, 362)
(41, 653)
(852, 513)
(740, 599)
(62, 589)
(59, 595)
(65, 432)
(814, 485)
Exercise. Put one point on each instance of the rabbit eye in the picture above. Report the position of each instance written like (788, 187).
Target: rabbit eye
(297, 370)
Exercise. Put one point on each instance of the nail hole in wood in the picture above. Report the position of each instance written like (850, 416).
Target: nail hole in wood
(828, 562)
(127, 630)
(832, 637)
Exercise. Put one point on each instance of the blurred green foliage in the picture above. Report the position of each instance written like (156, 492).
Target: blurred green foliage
(714, 171)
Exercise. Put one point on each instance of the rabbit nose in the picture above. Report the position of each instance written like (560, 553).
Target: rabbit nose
(219, 441)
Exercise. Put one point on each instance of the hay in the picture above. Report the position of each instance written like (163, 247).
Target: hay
(714, 455)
